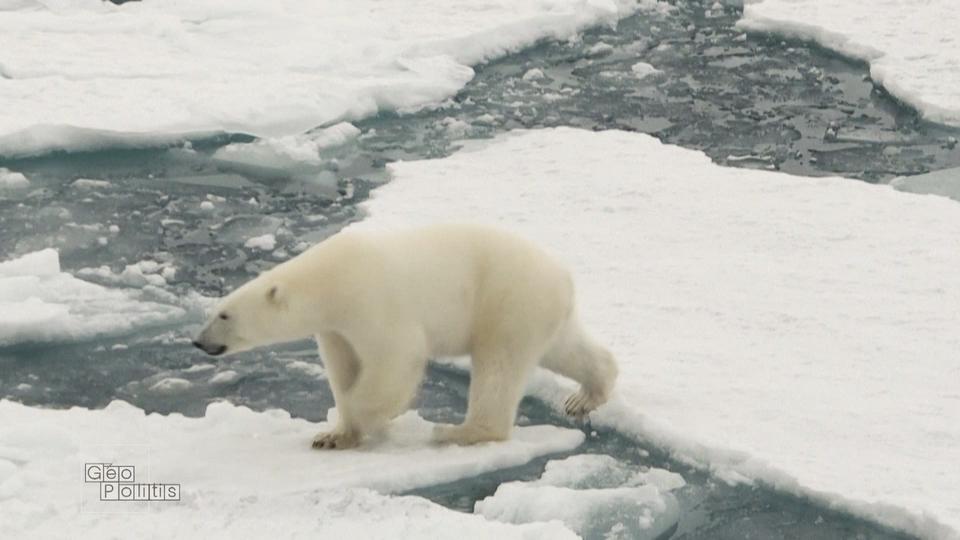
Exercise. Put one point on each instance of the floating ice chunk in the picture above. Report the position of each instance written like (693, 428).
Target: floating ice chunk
(266, 242)
(257, 465)
(289, 152)
(199, 368)
(224, 377)
(614, 498)
(38, 303)
(139, 274)
(88, 183)
(586, 471)
(600, 49)
(12, 180)
(307, 368)
(170, 385)
(636, 512)
(534, 74)
(642, 70)
(945, 183)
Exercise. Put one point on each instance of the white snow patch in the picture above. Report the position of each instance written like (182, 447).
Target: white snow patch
(912, 47)
(39, 303)
(265, 242)
(799, 331)
(81, 75)
(244, 475)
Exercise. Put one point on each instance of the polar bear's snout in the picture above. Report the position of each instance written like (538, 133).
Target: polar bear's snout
(212, 350)
(211, 339)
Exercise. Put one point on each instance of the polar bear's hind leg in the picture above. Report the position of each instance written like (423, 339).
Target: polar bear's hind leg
(577, 356)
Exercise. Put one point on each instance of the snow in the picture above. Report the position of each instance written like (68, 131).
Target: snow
(39, 303)
(242, 474)
(264, 242)
(85, 74)
(797, 331)
(912, 47)
(592, 494)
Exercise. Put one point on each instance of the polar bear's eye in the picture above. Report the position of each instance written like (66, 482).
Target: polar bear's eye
(224, 316)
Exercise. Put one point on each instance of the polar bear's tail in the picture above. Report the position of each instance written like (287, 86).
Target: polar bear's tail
(576, 355)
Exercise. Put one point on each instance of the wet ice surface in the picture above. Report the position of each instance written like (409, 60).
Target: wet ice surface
(687, 76)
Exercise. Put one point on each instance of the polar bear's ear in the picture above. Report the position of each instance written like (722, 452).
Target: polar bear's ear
(275, 295)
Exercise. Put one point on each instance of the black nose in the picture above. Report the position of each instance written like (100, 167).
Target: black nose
(197, 344)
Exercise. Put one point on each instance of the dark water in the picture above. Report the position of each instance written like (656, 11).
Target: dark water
(747, 101)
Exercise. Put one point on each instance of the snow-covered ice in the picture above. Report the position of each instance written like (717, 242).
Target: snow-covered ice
(243, 474)
(797, 331)
(40, 303)
(85, 74)
(912, 47)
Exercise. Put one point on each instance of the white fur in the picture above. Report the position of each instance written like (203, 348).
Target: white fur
(381, 304)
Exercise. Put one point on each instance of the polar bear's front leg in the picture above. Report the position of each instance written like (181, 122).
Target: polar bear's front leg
(391, 369)
(338, 439)
(342, 367)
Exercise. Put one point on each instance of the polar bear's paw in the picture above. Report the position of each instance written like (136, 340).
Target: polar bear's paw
(464, 435)
(582, 403)
(335, 440)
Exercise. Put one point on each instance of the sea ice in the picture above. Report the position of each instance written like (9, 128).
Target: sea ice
(39, 303)
(85, 74)
(243, 474)
(797, 331)
(12, 180)
(592, 494)
(912, 47)
(266, 242)
(945, 183)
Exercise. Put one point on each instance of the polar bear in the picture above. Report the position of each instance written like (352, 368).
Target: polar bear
(380, 304)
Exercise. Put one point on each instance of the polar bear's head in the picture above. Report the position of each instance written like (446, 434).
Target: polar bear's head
(256, 314)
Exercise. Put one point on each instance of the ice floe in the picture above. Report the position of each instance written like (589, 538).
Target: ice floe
(39, 303)
(85, 74)
(912, 47)
(242, 474)
(797, 331)
(594, 495)
(945, 183)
